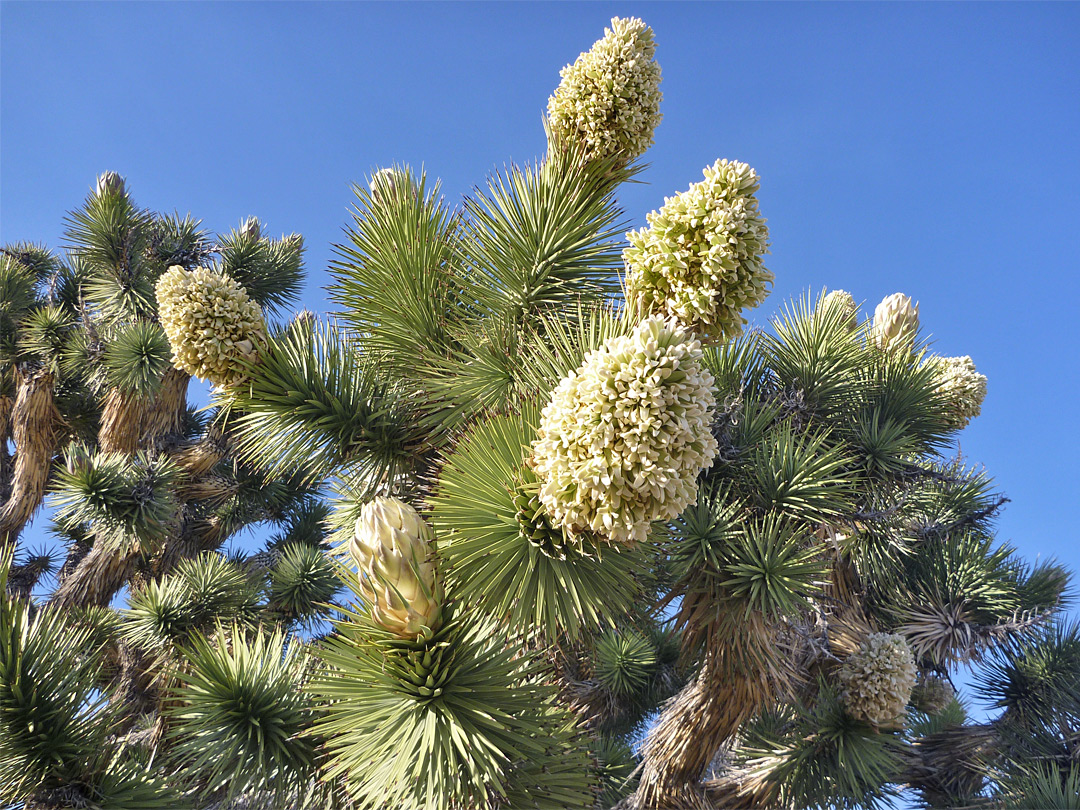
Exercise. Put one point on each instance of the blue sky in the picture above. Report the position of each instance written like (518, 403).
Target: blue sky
(925, 148)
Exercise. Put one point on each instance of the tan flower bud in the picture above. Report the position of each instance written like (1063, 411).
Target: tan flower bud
(394, 551)
(109, 183)
(896, 321)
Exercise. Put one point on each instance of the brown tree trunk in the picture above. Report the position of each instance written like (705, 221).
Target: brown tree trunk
(35, 424)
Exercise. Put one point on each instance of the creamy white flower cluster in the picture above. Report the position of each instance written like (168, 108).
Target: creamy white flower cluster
(395, 554)
(700, 258)
(210, 322)
(964, 387)
(623, 438)
(878, 678)
(609, 99)
(845, 303)
(896, 322)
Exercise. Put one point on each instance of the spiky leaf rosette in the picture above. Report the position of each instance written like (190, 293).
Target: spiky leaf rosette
(623, 438)
(211, 323)
(821, 757)
(700, 258)
(878, 678)
(456, 719)
(624, 661)
(962, 385)
(300, 581)
(394, 550)
(243, 719)
(529, 572)
(896, 322)
(609, 99)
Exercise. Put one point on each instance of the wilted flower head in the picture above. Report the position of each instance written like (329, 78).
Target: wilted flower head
(699, 261)
(877, 678)
(394, 551)
(845, 303)
(109, 183)
(963, 386)
(623, 438)
(609, 99)
(896, 321)
(210, 322)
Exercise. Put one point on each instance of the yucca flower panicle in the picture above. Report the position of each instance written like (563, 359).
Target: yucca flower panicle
(963, 386)
(394, 552)
(700, 259)
(609, 99)
(896, 322)
(623, 437)
(878, 678)
(211, 323)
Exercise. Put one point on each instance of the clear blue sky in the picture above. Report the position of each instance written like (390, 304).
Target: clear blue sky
(931, 149)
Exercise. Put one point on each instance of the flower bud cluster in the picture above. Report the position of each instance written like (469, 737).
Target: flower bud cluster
(877, 678)
(623, 438)
(843, 301)
(210, 322)
(896, 322)
(963, 386)
(395, 555)
(700, 259)
(609, 99)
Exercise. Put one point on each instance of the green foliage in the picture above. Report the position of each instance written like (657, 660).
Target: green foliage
(301, 581)
(136, 358)
(493, 565)
(125, 498)
(820, 757)
(270, 270)
(396, 277)
(447, 721)
(243, 720)
(625, 661)
(317, 406)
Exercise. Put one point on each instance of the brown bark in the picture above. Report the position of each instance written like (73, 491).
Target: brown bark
(97, 578)
(129, 422)
(35, 424)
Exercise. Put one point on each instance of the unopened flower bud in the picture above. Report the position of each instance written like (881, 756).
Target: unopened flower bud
(394, 552)
(109, 183)
(896, 321)
(251, 229)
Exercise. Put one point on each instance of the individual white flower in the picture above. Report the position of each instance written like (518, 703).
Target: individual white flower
(394, 551)
(700, 259)
(623, 438)
(609, 99)
(845, 302)
(877, 678)
(210, 322)
(963, 386)
(896, 321)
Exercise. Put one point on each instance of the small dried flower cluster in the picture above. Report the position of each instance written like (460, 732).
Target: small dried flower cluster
(896, 322)
(932, 693)
(609, 99)
(210, 322)
(394, 552)
(963, 386)
(699, 261)
(843, 301)
(623, 438)
(878, 678)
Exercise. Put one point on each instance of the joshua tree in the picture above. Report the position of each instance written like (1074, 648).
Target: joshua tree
(601, 544)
